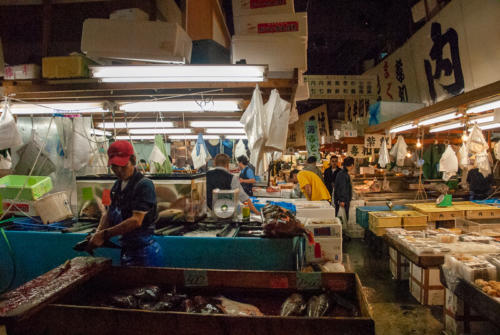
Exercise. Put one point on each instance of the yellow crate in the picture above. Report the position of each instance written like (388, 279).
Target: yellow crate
(384, 219)
(412, 218)
(379, 231)
(65, 67)
(483, 213)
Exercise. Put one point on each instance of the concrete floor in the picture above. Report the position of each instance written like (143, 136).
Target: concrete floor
(394, 309)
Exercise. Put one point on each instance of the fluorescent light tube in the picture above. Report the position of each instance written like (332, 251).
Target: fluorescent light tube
(99, 132)
(135, 137)
(193, 137)
(180, 73)
(63, 108)
(488, 126)
(119, 125)
(236, 137)
(440, 118)
(446, 127)
(207, 124)
(161, 131)
(484, 107)
(225, 131)
(484, 119)
(402, 128)
(182, 106)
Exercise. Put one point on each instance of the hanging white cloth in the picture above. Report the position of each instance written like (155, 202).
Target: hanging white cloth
(476, 142)
(463, 155)
(277, 115)
(10, 137)
(383, 158)
(483, 163)
(240, 149)
(200, 153)
(448, 164)
(398, 151)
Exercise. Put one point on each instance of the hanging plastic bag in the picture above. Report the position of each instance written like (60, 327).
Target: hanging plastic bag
(448, 164)
(9, 134)
(199, 153)
(398, 151)
(476, 142)
(277, 115)
(76, 142)
(483, 163)
(342, 216)
(240, 149)
(383, 158)
(463, 155)
(5, 161)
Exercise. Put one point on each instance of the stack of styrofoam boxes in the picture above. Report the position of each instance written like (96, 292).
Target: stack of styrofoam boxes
(399, 265)
(327, 240)
(425, 285)
(352, 229)
(270, 32)
(454, 317)
(22, 72)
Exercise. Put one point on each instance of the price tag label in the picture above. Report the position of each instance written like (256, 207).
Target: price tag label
(195, 278)
(308, 280)
(278, 282)
(106, 197)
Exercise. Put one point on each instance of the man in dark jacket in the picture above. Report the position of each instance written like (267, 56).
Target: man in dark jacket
(343, 187)
(331, 173)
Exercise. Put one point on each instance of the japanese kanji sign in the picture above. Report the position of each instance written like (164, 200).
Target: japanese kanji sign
(374, 141)
(358, 151)
(312, 139)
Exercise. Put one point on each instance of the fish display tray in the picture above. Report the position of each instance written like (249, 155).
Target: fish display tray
(265, 290)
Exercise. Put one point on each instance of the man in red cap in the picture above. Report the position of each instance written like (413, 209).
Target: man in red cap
(132, 213)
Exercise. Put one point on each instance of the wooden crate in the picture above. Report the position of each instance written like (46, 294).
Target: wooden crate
(266, 290)
(384, 219)
(412, 218)
(487, 212)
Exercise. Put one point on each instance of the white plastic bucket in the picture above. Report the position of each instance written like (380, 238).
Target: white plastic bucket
(53, 207)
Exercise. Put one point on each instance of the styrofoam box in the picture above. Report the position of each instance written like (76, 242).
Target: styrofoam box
(259, 7)
(133, 14)
(454, 305)
(271, 24)
(281, 53)
(331, 250)
(316, 213)
(319, 230)
(425, 285)
(135, 40)
(20, 207)
(24, 71)
(403, 271)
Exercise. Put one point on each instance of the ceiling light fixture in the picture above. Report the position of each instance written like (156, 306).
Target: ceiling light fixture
(119, 125)
(484, 107)
(180, 73)
(440, 118)
(236, 137)
(446, 127)
(193, 137)
(55, 108)
(225, 131)
(135, 137)
(402, 128)
(222, 124)
(483, 119)
(161, 131)
(99, 132)
(182, 106)
(487, 126)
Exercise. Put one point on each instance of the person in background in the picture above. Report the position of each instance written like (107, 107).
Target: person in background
(480, 187)
(132, 213)
(297, 192)
(343, 187)
(180, 163)
(311, 166)
(221, 178)
(331, 173)
(311, 185)
(143, 165)
(247, 176)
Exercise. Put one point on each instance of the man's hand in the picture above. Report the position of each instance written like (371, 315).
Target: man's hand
(342, 204)
(242, 180)
(97, 239)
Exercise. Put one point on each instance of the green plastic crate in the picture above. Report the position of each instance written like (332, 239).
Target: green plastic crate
(35, 188)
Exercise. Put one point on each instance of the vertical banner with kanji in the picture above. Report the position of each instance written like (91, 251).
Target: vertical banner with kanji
(312, 138)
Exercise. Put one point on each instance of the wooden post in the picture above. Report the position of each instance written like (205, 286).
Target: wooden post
(46, 26)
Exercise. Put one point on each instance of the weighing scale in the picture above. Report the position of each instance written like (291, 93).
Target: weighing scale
(225, 204)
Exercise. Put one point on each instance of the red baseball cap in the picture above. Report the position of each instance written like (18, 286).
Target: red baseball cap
(119, 153)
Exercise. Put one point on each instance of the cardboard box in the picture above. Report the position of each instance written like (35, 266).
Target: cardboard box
(132, 14)
(271, 24)
(259, 7)
(425, 285)
(270, 49)
(24, 71)
(65, 67)
(399, 265)
(136, 40)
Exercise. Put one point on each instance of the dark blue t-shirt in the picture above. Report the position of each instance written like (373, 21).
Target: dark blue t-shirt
(138, 195)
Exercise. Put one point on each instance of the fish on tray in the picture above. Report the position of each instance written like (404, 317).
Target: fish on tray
(317, 305)
(232, 307)
(293, 305)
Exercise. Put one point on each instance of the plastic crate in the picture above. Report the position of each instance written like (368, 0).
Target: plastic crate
(362, 213)
(36, 187)
(65, 67)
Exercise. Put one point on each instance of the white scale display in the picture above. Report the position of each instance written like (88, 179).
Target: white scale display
(225, 203)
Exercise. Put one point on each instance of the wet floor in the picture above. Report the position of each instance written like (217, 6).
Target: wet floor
(394, 309)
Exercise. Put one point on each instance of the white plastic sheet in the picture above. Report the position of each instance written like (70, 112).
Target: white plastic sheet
(76, 142)
(383, 158)
(156, 156)
(398, 151)
(483, 163)
(277, 115)
(240, 149)
(476, 142)
(448, 164)
(9, 134)
(496, 149)
(5, 162)
(463, 155)
(199, 153)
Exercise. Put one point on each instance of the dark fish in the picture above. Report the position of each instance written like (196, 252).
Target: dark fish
(84, 245)
(317, 305)
(150, 293)
(343, 302)
(293, 305)
(123, 301)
